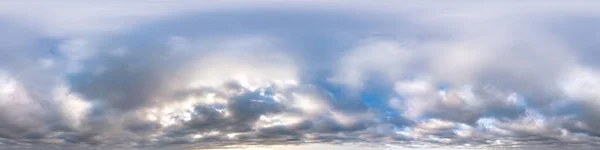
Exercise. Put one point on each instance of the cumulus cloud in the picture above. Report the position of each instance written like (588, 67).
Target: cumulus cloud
(294, 73)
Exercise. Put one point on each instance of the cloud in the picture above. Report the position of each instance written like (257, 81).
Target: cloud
(362, 73)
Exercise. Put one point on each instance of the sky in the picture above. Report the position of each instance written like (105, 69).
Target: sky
(272, 74)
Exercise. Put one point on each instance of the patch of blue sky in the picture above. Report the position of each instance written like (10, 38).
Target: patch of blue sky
(377, 92)
(441, 87)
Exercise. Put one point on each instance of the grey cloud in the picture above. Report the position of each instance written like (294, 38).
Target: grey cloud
(277, 76)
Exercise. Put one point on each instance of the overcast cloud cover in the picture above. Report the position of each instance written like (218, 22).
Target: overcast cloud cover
(299, 74)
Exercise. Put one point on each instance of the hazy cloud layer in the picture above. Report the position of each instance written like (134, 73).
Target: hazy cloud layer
(179, 75)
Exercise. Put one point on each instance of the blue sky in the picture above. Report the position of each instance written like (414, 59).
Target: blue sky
(299, 74)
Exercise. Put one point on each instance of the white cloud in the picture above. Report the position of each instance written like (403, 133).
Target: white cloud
(73, 107)
(387, 57)
(136, 73)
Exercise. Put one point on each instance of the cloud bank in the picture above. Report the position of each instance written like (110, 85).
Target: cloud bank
(182, 75)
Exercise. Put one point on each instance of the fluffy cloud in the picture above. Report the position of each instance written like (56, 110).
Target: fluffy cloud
(186, 77)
